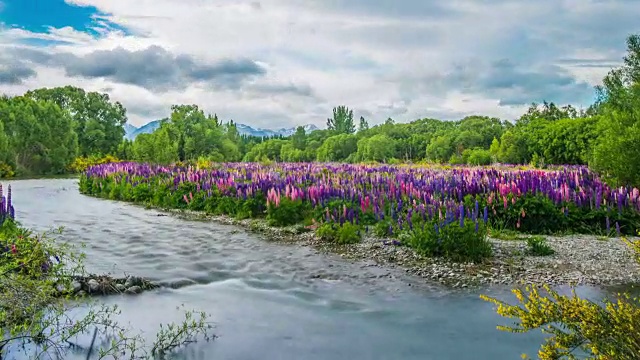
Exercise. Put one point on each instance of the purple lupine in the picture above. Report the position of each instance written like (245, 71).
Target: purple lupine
(485, 216)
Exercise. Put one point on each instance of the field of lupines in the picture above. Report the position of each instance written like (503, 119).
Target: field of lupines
(437, 211)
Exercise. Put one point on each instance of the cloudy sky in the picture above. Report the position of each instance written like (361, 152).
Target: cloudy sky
(280, 63)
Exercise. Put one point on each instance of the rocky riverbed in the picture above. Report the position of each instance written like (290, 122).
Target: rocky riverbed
(578, 259)
(97, 285)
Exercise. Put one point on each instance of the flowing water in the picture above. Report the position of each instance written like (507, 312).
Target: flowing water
(268, 300)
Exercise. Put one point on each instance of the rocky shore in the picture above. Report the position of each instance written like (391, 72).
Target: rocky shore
(578, 259)
(100, 285)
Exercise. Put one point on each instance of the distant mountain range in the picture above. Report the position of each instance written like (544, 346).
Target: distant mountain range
(131, 131)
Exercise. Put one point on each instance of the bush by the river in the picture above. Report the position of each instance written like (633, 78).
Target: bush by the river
(437, 211)
(602, 331)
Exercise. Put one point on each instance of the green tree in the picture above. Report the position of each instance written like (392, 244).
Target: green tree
(342, 121)
(364, 125)
(617, 152)
(41, 136)
(376, 148)
(337, 148)
(440, 148)
(299, 138)
(98, 122)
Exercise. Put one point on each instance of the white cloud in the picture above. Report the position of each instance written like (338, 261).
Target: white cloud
(380, 57)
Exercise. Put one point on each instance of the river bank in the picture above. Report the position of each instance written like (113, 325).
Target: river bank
(578, 259)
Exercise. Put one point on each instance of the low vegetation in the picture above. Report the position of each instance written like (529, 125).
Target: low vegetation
(577, 328)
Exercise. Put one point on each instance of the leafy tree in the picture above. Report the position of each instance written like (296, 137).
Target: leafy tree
(617, 151)
(41, 136)
(494, 149)
(440, 148)
(364, 125)
(376, 148)
(342, 121)
(337, 148)
(299, 138)
(98, 122)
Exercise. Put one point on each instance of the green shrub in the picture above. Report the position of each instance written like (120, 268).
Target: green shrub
(533, 214)
(346, 233)
(327, 232)
(349, 233)
(289, 212)
(537, 246)
(479, 157)
(466, 243)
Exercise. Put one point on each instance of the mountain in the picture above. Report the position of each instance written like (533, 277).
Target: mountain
(248, 130)
(131, 131)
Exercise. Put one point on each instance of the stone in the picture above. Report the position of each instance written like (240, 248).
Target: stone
(132, 281)
(76, 286)
(134, 290)
(121, 288)
(93, 285)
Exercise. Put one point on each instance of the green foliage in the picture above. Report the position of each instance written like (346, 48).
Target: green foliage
(349, 233)
(452, 241)
(97, 122)
(479, 157)
(376, 148)
(342, 120)
(81, 164)
(327, 231)
(537, 246)
(42, 141)
(602, 331)
(337, 148)
(346, 233)
(288, 212)
(6, 171)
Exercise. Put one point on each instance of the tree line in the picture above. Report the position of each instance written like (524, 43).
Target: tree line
(44, 130)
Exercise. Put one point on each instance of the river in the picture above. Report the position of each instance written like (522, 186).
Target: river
(268, 300)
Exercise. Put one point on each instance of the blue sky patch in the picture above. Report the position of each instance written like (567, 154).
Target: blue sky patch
(37, 15)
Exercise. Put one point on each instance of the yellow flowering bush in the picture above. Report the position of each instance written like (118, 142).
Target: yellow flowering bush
(604, 331)
(6, 171)
(80, 164)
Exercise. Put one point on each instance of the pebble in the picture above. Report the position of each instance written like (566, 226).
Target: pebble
(134, 290)
(94, 285)
(60, 288)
